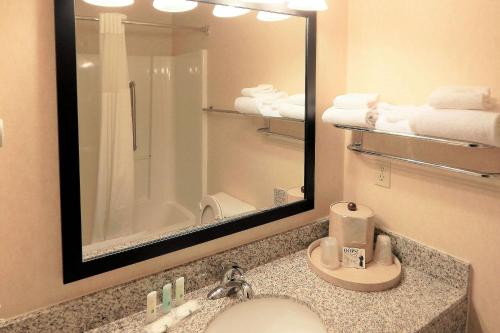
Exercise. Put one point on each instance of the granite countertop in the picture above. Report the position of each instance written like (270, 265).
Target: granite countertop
(418, 304)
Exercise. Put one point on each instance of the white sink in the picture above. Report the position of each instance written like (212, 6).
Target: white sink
(267, 315)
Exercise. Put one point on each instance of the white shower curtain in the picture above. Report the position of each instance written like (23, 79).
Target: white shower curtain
(115, 181)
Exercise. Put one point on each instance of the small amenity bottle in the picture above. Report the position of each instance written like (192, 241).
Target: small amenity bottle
(167, 298)
(179, 291)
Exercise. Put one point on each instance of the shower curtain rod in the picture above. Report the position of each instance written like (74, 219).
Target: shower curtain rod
(205, 29)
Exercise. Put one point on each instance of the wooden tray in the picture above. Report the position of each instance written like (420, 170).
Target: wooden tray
(375, 277)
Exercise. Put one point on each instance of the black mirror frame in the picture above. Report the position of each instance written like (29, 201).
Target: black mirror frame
(74, 268)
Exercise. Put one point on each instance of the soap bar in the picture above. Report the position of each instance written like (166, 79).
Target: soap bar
(353, 257)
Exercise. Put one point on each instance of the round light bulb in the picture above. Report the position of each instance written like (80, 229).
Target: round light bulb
(174, 6)
(271, 17)
(110, 3)
(229, 11)
(308, 5)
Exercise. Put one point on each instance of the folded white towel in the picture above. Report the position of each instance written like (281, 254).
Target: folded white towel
(271, 97)
(463, 98)
(257, 106)
(288, 110)
(475, 126)
(297, 99)
(356, 101)
(251, 105)
(261, 88)
(351, 117)
(401, 126)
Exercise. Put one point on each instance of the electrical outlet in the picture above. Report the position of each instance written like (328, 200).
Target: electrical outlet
(383, 174)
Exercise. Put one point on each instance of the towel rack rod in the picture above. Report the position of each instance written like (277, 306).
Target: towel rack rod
(358, 147)
(268, 131)
(415, 136)
(213, 110)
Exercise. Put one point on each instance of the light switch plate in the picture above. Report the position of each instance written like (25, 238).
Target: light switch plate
(383, 174)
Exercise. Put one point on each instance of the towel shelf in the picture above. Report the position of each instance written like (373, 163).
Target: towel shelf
(357, 146)
(418, 137)
(232, 112)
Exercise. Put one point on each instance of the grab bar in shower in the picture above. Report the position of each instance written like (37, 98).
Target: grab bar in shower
(133, 104)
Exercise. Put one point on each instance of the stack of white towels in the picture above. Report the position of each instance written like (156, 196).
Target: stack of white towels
(460, 113)
(267, 101)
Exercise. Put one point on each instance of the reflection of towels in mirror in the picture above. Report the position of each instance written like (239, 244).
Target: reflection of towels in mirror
(288, 110)
(257, 106)
(261, 88)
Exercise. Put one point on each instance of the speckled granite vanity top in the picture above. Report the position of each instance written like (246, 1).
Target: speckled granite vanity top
(421, 303)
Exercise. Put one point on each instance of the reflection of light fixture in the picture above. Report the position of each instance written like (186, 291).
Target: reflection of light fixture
(110, 3)
(174, 6)
(87, 64)
(310, 5)
(229, 11)
(270, 17)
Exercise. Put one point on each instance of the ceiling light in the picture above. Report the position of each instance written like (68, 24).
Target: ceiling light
(308, 5)
(174, 6)
(229, 11)
(110, 3)
(271, 17)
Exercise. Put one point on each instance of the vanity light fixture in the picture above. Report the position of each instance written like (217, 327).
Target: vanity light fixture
(271, 17)
(110, 3)
(308, 5)
(229, 11)
(174, 6)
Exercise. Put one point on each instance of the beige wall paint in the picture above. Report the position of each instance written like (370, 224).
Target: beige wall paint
(404, 49)
(30, 251)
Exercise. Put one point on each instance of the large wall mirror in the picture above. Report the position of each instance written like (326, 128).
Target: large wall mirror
(179, 125)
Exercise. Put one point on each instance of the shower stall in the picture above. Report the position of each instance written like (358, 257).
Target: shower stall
(169, 136)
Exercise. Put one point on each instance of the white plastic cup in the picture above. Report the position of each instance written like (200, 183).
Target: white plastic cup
(383, 251)
(330, 253)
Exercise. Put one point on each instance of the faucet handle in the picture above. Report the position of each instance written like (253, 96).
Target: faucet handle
(231, 272)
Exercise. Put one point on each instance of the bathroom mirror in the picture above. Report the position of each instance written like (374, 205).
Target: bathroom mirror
(179, 125)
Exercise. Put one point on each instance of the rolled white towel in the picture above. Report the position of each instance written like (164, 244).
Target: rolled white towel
(475, 126)
(297, 99)
(462, 98)
(366, 118)
(288, 110)
(251, 105)
(261, 88)
(356, 101)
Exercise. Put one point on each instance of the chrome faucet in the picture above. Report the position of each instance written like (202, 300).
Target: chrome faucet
(232, 283)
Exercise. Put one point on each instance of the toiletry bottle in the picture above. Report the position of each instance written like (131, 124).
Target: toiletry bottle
(151, 306)
(167, 298)
(179, 291)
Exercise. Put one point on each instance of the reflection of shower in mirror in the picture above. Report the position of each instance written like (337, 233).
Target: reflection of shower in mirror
(152, 163)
